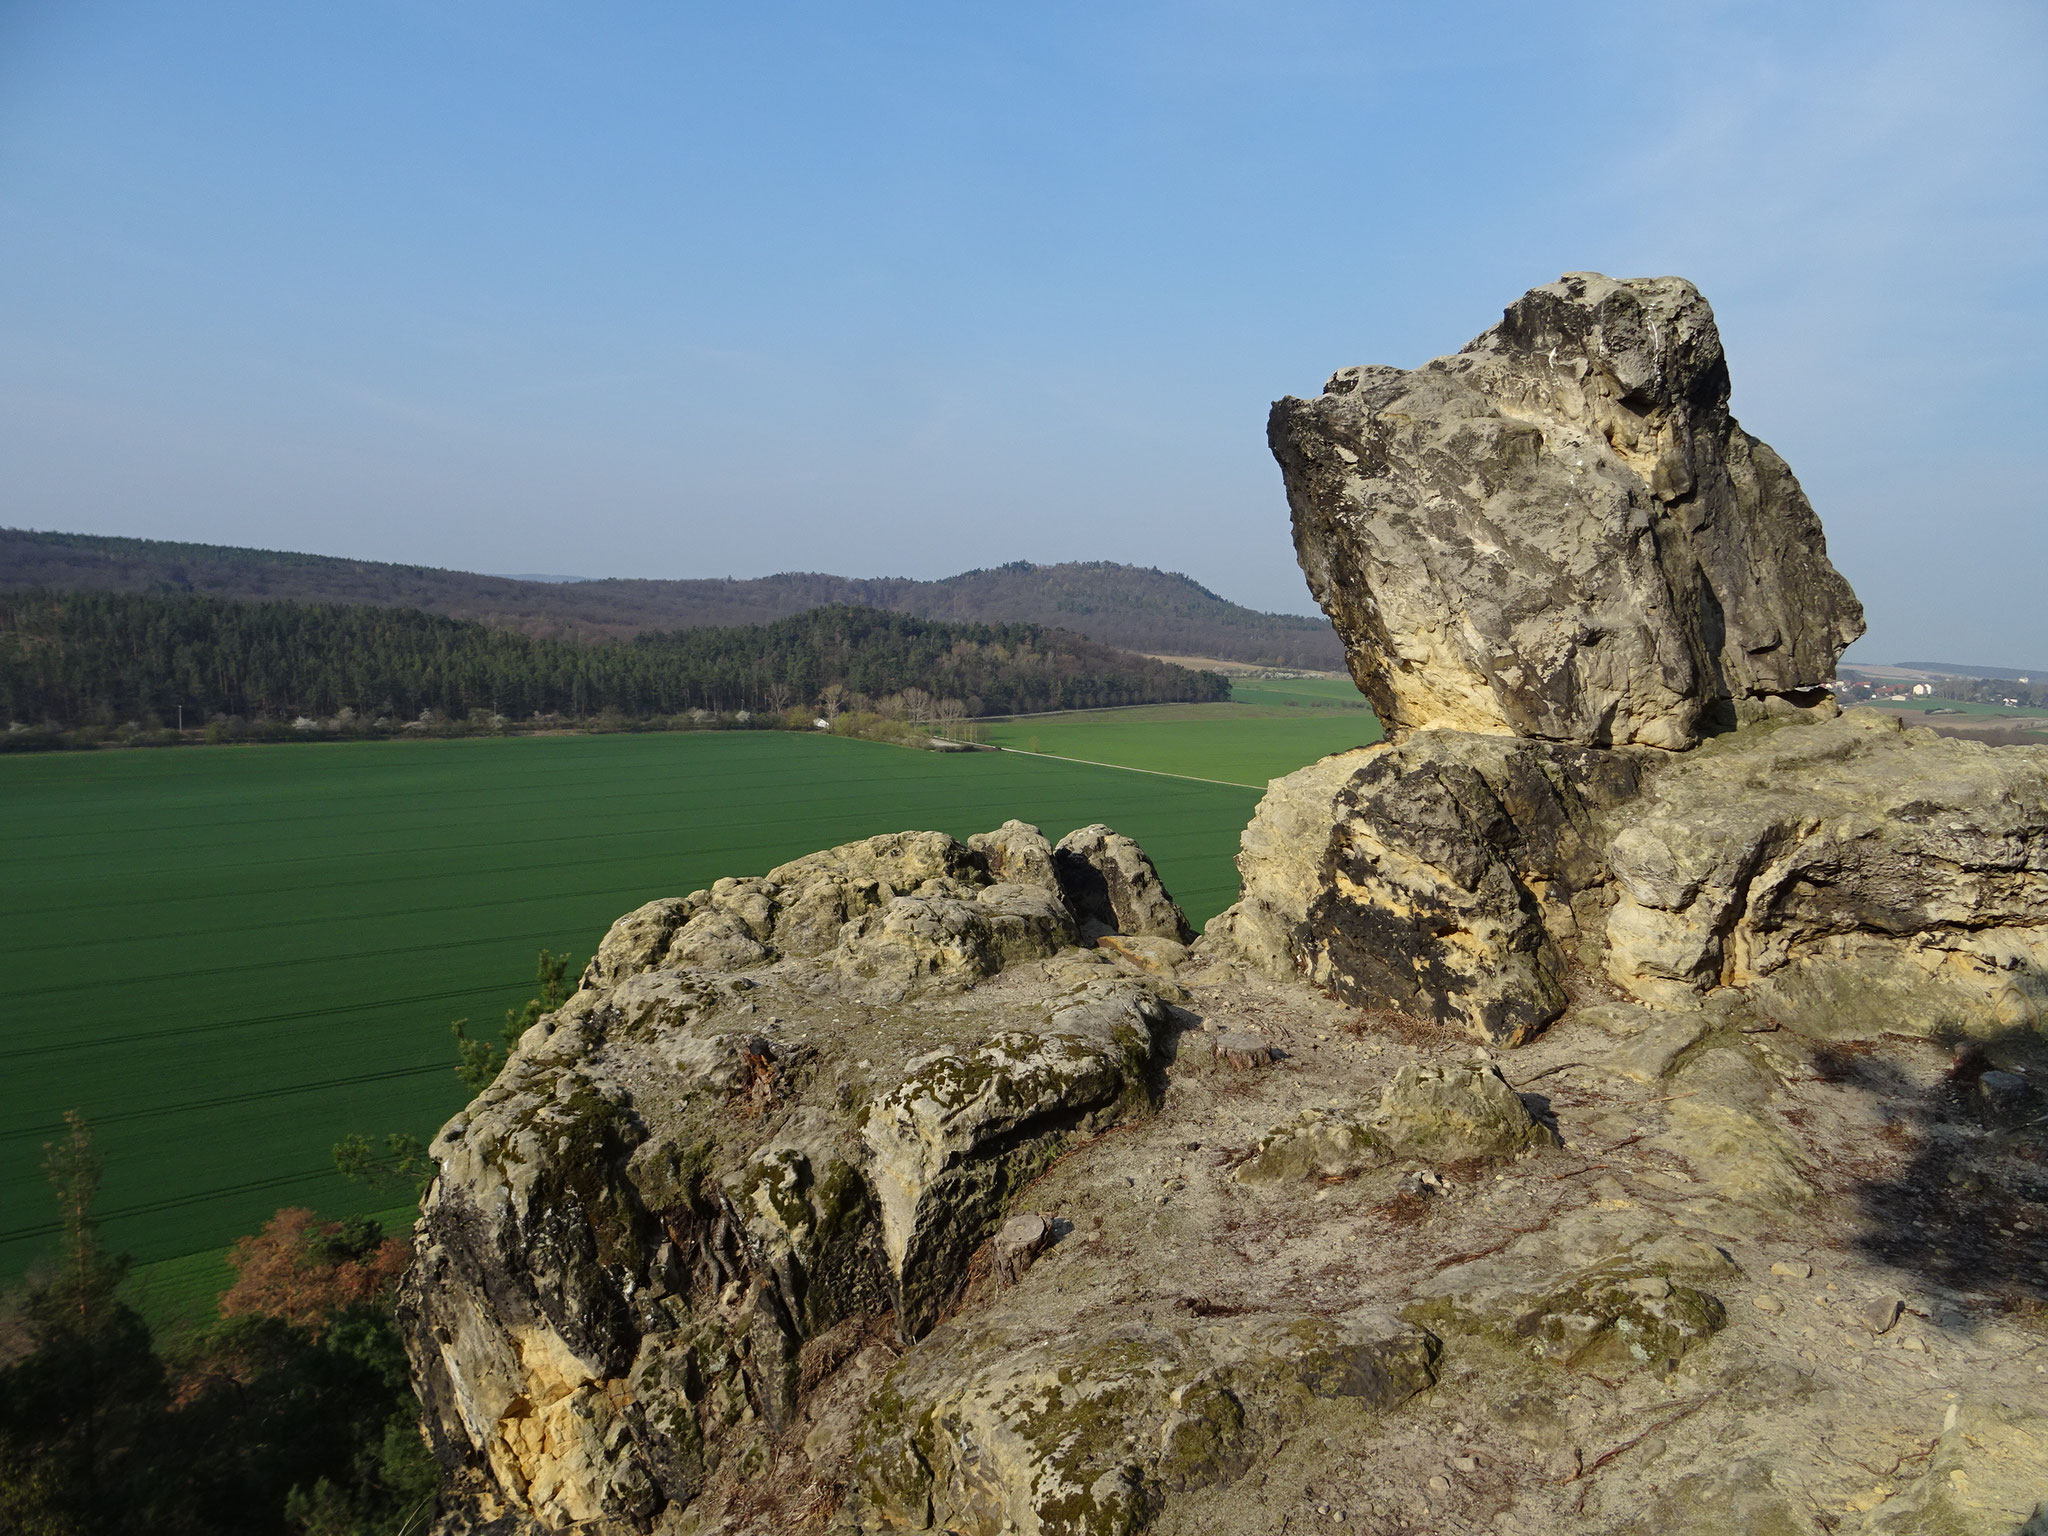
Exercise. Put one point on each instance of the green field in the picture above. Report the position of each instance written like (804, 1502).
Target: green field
(1270, 727)
(228, 957)
(1950, 709)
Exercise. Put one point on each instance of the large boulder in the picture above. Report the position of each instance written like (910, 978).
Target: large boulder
(1560, 532)
(1113, 888)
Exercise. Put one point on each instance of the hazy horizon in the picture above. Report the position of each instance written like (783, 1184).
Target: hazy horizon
(909, 291)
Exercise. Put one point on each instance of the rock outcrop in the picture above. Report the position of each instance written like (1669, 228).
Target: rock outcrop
(1560, 532)
(757, 1126)
(1113, 888)
(932, 1186)
(1595, 615)
(1844, 868)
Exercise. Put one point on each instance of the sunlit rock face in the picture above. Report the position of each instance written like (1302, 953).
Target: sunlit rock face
(1594, 614)
(1560, 532)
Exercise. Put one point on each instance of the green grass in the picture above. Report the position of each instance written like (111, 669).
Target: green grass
(1326, 692)
(178, 1296)
(229, 957)
(1951, 708)
(1270, 727)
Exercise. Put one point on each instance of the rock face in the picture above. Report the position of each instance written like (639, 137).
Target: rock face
(1437, 877)
(1560, 532)
(1844, 868)
(772, 1127)
(1594, 615)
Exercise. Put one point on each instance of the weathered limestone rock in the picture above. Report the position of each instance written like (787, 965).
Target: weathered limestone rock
(931, 939)
(1984, 1479)
(1843, 873)
(1448, 1113)
(937, 1201)
(1599, 1290)
(862, 1195)
(1089, 1433)
(1017, 853)
(1437, 1114)
(1158, 956)
(1440, 877)
(1317, 1143)
(1560, 532)
(1113, 888)
(699, 1186)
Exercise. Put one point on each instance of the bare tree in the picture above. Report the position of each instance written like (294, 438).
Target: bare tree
(917, 706)
(832, 700)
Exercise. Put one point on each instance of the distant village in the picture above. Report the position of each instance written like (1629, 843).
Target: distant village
(1903, 685)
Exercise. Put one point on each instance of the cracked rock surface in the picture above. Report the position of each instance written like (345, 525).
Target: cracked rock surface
(1832, 865)
(1559, 531)
(658, 1291)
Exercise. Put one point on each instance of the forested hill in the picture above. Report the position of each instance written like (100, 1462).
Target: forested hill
(72, 659)
(1128, 606)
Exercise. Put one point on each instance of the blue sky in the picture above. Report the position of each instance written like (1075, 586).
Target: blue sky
(667, 289)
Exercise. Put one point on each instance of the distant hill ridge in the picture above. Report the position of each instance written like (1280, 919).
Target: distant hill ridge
(1959, 669)
(1130, 607)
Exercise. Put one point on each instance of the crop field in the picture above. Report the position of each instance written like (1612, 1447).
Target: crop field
(1270, 727)
(1949, 709)
(229, 957)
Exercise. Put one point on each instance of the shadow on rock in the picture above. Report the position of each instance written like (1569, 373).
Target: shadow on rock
(1966, 1206)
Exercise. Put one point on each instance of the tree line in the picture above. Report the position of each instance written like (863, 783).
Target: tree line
(70, 659)
(1139, 609)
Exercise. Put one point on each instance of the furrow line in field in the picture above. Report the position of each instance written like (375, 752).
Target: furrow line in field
(98, 984)
(173, 1202)
(218, 1025)
(57, 1128)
